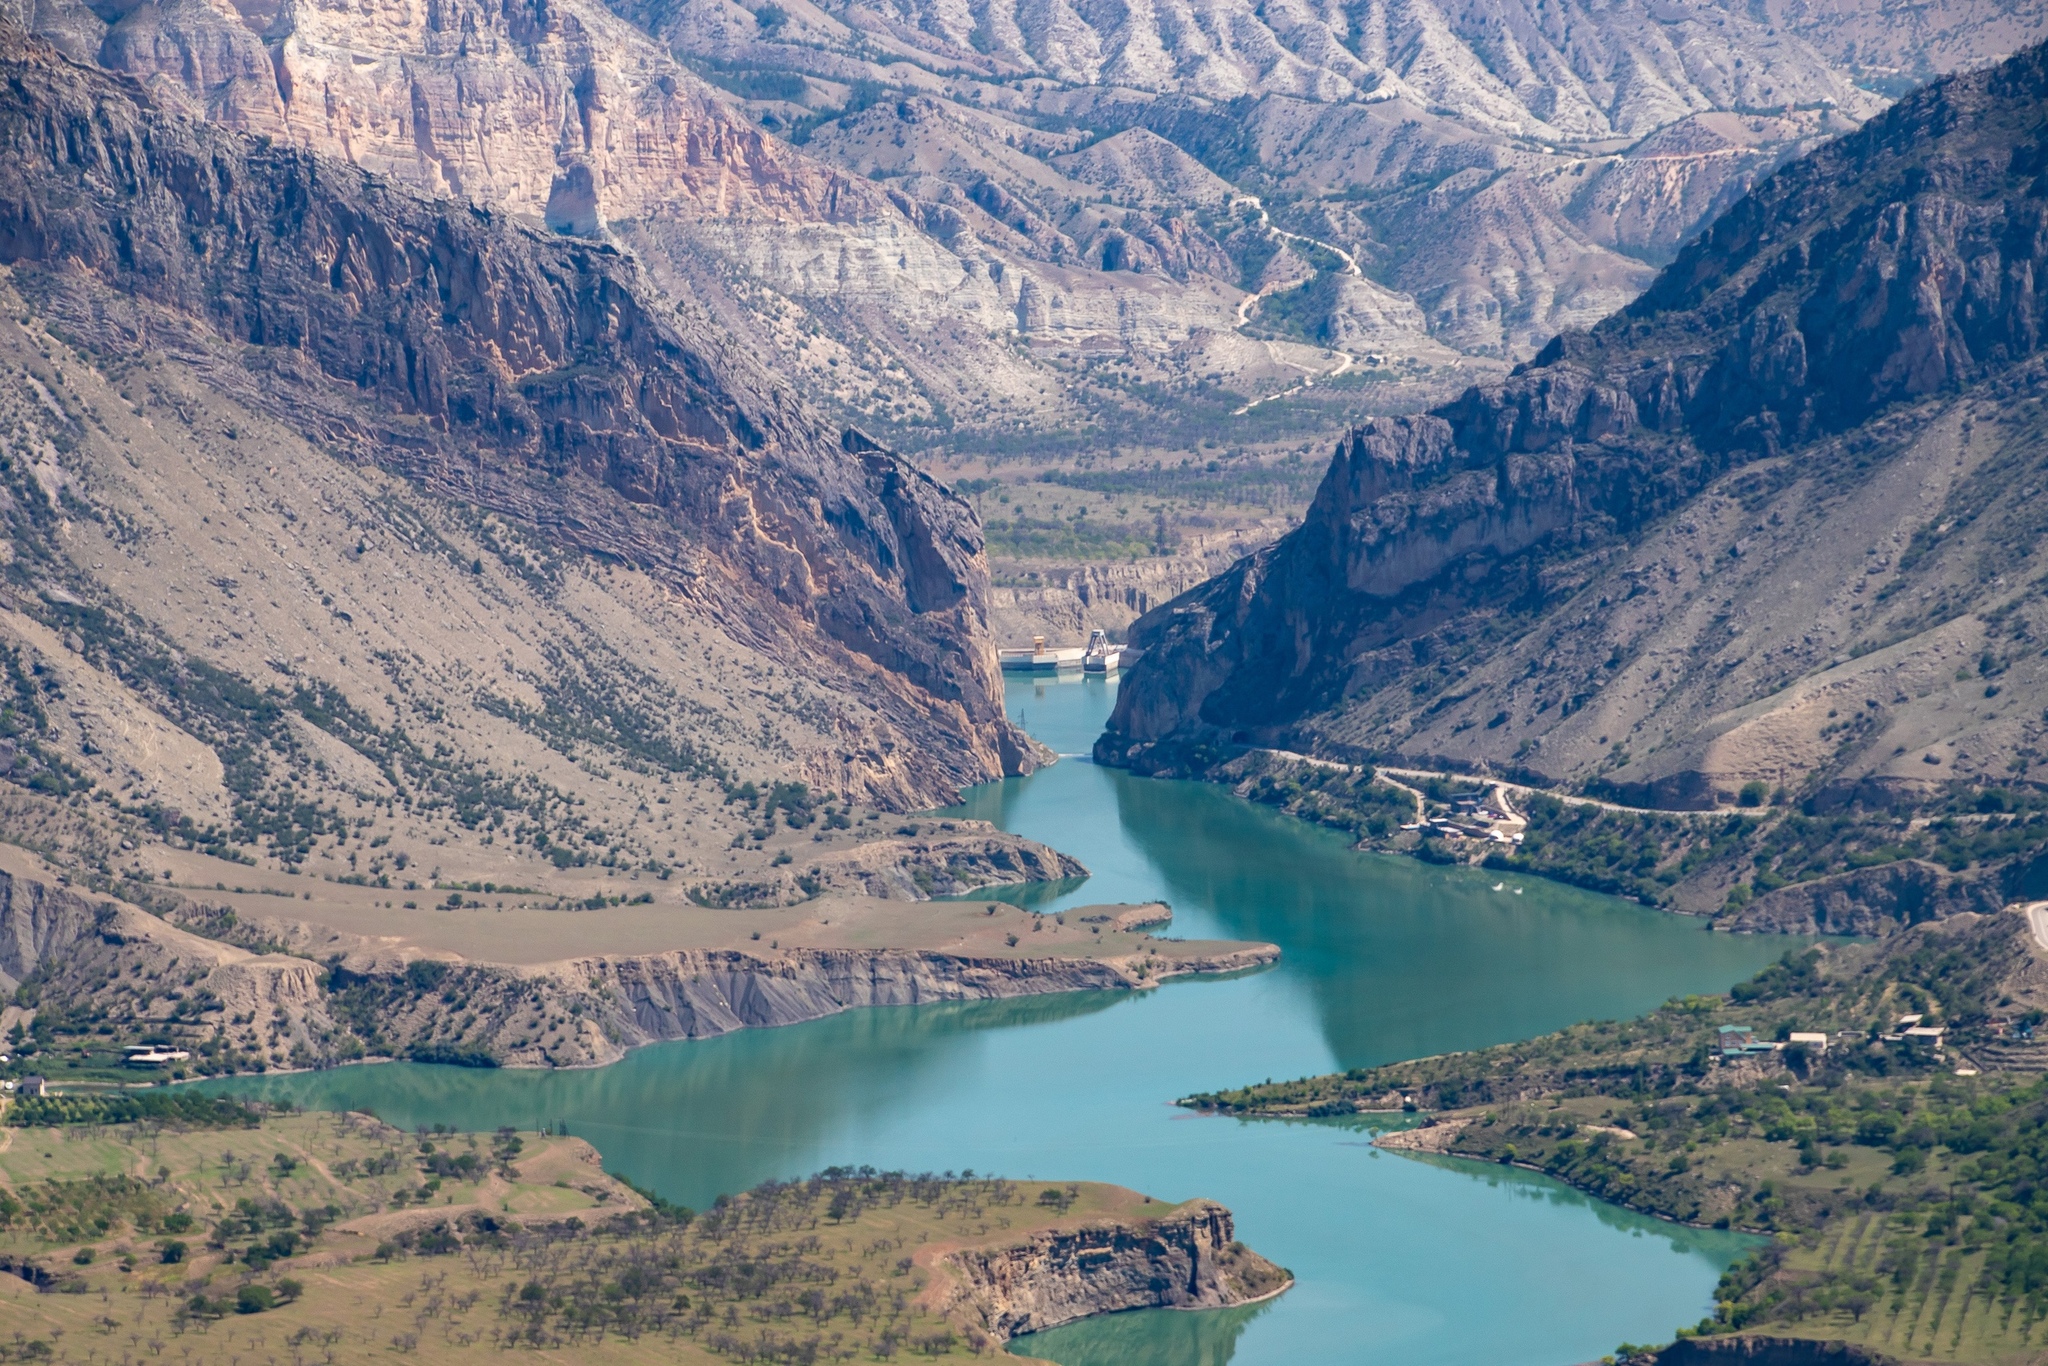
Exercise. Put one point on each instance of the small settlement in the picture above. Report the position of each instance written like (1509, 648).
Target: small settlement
(1738, 1042)
(1480, 817)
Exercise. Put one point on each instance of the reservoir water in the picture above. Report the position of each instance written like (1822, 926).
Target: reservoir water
(1399, 1259)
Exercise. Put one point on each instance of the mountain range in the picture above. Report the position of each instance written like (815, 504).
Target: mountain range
(1057, 223)
(1774, 522)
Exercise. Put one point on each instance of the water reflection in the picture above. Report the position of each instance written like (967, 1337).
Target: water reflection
(697, 1120)
(1396, 958)
(1146, 1337)
(1424, 1263)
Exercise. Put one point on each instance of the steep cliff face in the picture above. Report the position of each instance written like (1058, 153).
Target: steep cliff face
(1869, 901)
(535, 376)
(390, 1002)
(38, 921)
(913, 868)
(1513, 166)
(248, 994)
(1644, 533)
(81, 948)
(697, 995)
(1188, 1259)
(555, 111)
(864, 174)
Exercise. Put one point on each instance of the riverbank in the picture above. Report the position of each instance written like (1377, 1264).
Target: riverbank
(1771, 866)
(1382, 958)
(523, 986)
(1890, 1163)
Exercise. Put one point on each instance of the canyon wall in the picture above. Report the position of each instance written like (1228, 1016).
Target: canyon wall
(1671, 552)
(38, 921)
(248, 994)
(1188, 1259)
(701, 994)
(461, 351)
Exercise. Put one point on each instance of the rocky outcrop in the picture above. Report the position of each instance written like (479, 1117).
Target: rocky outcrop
(943, 860)
(1562, 571)
(1867, 901)
(917, 867)
(1067, 601)
(38, 922)
(532, 375)
(1189, 1259)
(258, 1007)
(82, 948)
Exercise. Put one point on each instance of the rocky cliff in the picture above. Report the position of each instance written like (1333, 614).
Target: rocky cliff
(1187, 1259)
(76, 949)
(696, 995)
(532, 376)
(38, 920)
(1758, 525)
(902, 186)
(936, 863)
(1511, 167)
(249, 993)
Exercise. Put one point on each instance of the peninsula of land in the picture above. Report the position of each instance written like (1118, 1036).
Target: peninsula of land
(220, 1222)
(261, 983)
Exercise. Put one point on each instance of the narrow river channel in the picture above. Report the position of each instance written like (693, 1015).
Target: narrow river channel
(1399, 1259)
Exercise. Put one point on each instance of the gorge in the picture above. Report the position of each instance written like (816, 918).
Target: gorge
(463, 609)
(1380, 959)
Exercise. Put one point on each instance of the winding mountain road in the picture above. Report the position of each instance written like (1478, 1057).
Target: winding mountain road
(1245, 305)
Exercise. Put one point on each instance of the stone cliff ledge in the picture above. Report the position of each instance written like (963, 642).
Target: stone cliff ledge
(1188, 1258)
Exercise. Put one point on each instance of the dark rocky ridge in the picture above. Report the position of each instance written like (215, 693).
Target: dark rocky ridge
(519, 372)
(1427, 591)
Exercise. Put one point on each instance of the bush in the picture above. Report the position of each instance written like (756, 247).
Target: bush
(254, 1299)
(448, 1055)
(178, 1106)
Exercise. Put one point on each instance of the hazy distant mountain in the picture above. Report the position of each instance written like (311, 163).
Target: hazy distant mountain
(1510, 166)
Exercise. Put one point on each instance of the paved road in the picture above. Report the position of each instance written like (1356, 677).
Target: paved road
(2037, 916)
(1499, 785)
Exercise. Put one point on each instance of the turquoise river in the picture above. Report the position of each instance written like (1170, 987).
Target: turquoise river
(1398, 1259)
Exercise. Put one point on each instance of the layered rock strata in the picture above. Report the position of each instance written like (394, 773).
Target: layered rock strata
(1187, 1259)
(702, 994)
(379, 998)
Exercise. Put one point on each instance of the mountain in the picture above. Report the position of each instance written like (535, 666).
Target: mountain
(1774, 522)
(1006, 239)
(965, 222)
(1576, 145)
(321, 494)
(896, 309)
